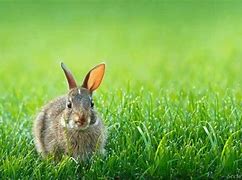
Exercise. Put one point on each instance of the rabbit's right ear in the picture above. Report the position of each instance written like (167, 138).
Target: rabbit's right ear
(70, 79)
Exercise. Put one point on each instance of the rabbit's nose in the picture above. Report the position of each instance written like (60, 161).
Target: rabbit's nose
(82, 119)
(79, 118)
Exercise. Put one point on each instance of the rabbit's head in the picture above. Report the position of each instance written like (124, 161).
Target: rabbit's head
(79, 112)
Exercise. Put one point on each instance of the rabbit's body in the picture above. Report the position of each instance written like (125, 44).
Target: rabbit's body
(52, 137)
(77, 130)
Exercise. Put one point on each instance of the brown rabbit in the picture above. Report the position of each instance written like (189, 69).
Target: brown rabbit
(69, 124)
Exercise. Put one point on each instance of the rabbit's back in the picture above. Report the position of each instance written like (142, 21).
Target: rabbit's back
(46, 125)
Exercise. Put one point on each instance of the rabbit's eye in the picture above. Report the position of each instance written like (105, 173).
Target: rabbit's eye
(92, 104)
(69, 105)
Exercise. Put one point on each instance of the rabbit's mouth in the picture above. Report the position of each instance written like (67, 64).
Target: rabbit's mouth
(75, 125)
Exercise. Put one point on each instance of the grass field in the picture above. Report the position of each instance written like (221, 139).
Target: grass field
(171, 97)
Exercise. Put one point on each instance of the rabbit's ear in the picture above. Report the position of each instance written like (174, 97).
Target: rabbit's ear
(94, 77)
(71, 81)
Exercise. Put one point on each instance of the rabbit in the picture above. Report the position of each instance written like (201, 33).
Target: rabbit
(70, 125)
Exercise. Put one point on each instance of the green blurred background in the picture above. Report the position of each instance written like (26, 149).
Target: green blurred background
(154, 44)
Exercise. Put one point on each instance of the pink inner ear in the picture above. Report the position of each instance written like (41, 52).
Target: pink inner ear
(94, 77)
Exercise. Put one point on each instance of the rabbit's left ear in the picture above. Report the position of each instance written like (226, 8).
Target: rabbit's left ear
(94, 77)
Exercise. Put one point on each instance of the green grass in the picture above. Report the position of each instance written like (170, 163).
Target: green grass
(171, 97)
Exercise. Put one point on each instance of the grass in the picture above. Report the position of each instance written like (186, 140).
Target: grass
(171, 97)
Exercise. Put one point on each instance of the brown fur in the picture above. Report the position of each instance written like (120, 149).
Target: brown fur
(51, 138)
(69, 124)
